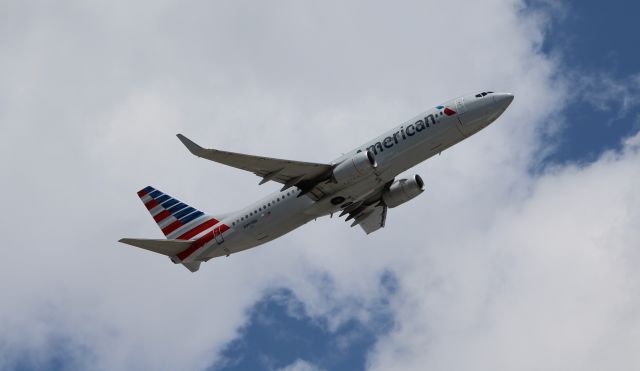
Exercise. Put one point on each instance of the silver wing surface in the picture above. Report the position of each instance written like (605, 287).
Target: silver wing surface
(304, 175)
(370, 214)
(373, 219)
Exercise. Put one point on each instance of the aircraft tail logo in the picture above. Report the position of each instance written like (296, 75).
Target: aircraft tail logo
(177, 220)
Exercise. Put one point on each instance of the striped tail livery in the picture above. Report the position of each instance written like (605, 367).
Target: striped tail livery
(185, 227)
(176, 219)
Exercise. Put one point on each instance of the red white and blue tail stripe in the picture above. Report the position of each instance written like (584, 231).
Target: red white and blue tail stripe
(177, 220)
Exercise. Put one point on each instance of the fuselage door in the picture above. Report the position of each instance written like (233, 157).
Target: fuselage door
(460, 109)
(217, 234)
(459, 105)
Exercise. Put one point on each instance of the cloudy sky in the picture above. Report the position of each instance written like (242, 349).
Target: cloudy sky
(522, 254)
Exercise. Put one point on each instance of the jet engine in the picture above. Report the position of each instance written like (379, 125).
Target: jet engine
(362, 164)
(403, 190)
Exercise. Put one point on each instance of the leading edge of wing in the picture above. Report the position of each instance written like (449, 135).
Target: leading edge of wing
(211, 154)
(279, 170)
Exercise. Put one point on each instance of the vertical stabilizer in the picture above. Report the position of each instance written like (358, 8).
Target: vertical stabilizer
(177, 220)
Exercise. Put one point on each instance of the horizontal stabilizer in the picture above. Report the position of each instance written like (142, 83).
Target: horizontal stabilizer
(165, 247)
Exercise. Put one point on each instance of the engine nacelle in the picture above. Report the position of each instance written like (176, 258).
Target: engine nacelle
(360, 165)
(403, 190)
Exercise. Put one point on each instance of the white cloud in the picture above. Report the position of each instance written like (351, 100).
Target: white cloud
(489, 258)
(547, 285)
(607, 93)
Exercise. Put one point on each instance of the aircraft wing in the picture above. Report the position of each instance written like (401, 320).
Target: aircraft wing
(370, 213)
(304, 175)
(374, 219)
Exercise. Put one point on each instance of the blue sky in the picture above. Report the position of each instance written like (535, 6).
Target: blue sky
(593, 37)
(492, 251)
(280, 333)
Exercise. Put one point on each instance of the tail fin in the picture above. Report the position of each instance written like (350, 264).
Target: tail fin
(177, 220)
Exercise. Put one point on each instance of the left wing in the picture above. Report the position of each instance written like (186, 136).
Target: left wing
(304, 175)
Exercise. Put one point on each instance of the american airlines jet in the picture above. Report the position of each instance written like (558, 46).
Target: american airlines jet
(361, 185)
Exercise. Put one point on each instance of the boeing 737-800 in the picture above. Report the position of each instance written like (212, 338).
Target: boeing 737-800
(361, 185)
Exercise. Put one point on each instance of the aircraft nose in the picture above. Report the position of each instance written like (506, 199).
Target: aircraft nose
(503, 100)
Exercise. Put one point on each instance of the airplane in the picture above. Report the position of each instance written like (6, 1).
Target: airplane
(361, 185)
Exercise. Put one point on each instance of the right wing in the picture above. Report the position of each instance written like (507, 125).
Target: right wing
(373, 219)
(371, 213)
(304, 175)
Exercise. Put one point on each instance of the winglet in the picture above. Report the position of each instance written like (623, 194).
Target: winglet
(191, 146)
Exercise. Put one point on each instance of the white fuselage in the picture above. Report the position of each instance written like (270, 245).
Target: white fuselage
(395, 151)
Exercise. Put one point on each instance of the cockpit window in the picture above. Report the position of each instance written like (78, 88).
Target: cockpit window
(483, 94)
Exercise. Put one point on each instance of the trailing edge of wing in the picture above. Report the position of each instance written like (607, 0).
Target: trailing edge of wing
(278, 170)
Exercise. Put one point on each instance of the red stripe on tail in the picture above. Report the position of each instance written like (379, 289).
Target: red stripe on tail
(161, 215)
(197, 229)
(171, 227)
(151, 204)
